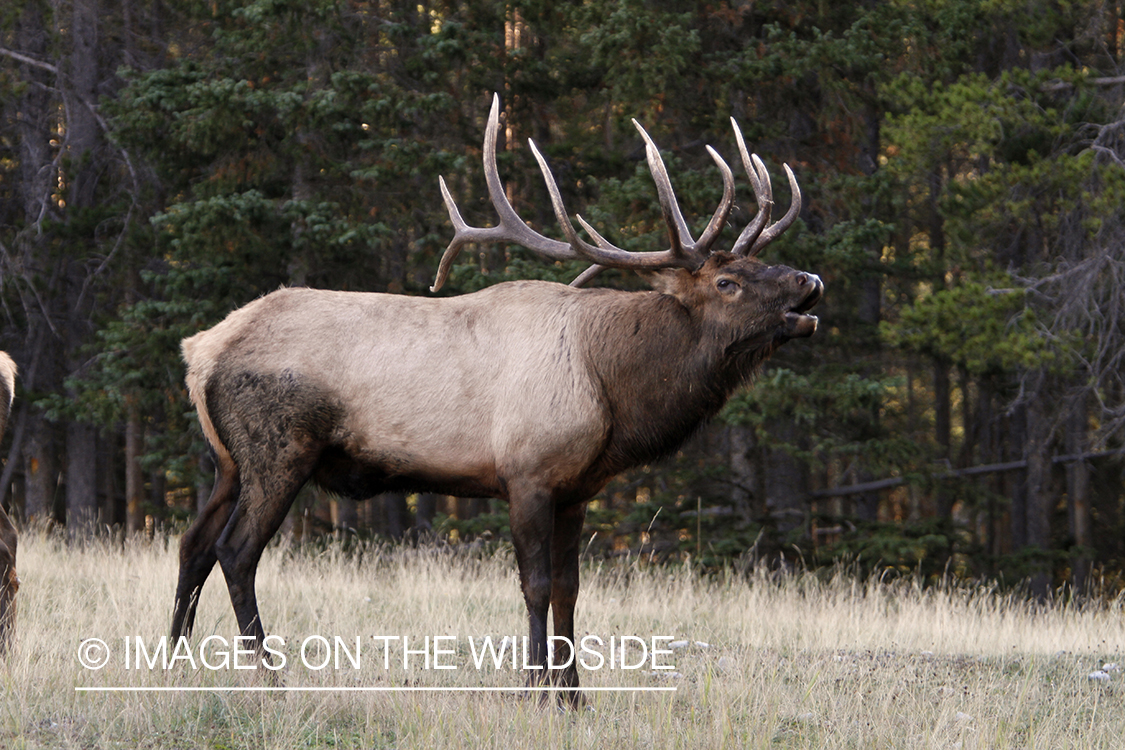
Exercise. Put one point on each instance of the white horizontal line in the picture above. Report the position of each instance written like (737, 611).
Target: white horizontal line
(252, 689)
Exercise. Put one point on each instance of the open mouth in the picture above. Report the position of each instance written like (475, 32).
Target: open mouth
(798, 323)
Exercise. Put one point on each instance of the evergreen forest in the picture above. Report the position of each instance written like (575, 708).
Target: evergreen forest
(959, 413)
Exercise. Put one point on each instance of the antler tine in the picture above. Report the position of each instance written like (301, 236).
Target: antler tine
(755, 182)
(764, 198)
(461, 231)
(678, 231)
(603, 253)
(722, 213)
(763, 194)
(588, 275)
(556, 198)
(511, 228)
(753, 238)
(710, 234)
(786, 221)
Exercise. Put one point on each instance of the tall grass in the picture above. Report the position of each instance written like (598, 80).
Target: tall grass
(792, 660)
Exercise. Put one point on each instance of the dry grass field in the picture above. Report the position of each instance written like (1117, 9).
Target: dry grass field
(792, 661)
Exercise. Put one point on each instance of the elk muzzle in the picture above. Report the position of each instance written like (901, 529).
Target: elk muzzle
(798, 323)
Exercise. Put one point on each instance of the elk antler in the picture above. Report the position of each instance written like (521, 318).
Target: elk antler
(683, 252)
(753, 239)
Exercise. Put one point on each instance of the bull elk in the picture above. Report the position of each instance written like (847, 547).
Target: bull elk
(9, 581)
(536, 393)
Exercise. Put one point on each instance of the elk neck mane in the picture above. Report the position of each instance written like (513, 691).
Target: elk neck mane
(662, 369)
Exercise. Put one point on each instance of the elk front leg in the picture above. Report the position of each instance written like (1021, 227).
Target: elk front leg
(565, 548)
(531, 516)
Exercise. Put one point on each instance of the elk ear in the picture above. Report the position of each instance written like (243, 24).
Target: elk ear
(672, 281)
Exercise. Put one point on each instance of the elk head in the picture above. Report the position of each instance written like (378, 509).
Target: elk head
(755, 301)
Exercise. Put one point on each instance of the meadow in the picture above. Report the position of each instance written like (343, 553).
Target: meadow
(772, 660)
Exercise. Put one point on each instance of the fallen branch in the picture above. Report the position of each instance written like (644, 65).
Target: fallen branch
(29, 60)
(1106, 81)
(882, 484)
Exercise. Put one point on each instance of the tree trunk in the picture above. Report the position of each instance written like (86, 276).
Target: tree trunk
(744, 479)
(134, 474)
(1078, 491)
(943, 429)
(32, 124)
(942, 389)
(424, 514)
(346, 515)
(469, 507)
(989, 454)
(41, 469)
(1038, 491)
(112, 511)
(157, 486)
(867, 503)
(786, 480)
(83, 136)
(1017, 449)
(81, 480)
(396, 513)
(83, 143)
(38, 179)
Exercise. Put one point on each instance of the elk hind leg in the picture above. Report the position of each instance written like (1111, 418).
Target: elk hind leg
(197, 547)
(263, 501)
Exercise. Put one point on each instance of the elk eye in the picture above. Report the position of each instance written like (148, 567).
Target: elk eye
(724, 284)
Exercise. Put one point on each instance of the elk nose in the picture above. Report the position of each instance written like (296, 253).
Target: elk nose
(811, 289)
(809, 279)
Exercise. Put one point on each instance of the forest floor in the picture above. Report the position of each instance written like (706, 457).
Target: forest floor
(772, 660)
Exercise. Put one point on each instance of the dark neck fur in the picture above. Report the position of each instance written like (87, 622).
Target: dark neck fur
(662, 372)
